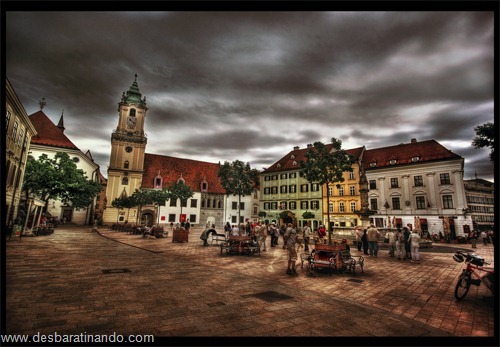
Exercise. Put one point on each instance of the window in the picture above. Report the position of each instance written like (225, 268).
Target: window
(157, 182)
(351, 175)
(394, 183)
(234, 205)
(192, 218)
(419, 182)
(373, 184)
(126, 164)
(293, 205)
(341, 207)
(125, 181)
(292, 175)
(373, 205)
(267, 191)
(255, 209)
(184, 202)
(283, 205)
(341, 191)
(353, 207)
(274, 205)
(304, 205)
(173, 202)
(283, 189)
(20, 138)
(352, 190)
(293, 188)
(267, 178)
(219, 204)
(274, 190)
(304, 188)
(444, 178)
(266, 206)
(330, 191)
(208, 203)
(194, 202)
(330, 207)
(314, 205)
(283, 176)
(128, 149)
(7, 119)
(76, 159)
(204, 186)
(396, 204)
(314, 187)
(132, 112)
(275, 177)
(171, 217)
(447, 201)
(14, 131)
(420, 202)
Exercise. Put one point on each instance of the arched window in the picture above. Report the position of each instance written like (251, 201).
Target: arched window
(132, 112)
(125, 164)
(125, 180)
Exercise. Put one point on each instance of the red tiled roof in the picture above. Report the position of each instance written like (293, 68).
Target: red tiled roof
(193, 172)
(298, 155)
(403, 153)
(48, 133)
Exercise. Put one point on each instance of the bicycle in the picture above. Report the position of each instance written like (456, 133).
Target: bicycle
(474, 267)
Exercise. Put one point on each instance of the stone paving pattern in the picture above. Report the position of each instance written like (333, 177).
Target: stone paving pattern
(154, 286)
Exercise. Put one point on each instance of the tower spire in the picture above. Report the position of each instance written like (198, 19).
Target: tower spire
(42, 103)
(60, 125)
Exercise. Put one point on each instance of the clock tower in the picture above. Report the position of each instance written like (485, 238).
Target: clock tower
(128, 145)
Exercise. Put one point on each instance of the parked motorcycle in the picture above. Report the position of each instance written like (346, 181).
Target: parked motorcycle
(474, 273)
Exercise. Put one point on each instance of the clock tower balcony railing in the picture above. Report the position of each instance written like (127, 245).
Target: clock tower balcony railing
(129, 137)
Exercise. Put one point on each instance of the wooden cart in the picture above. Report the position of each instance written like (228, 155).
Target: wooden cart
(240, 245)
(331, 259)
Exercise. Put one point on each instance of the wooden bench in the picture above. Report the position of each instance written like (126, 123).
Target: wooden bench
(217, 238)
(332, 258)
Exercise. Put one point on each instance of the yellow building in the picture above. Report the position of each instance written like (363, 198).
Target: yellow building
(19, 131)
(344, 197)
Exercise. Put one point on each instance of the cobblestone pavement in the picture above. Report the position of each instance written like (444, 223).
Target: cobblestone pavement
(75, 281)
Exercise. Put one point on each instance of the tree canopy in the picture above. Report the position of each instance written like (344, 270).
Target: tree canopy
(179, 190)
(239, 179)
(59, 178)
(485, 137)
(326, 165)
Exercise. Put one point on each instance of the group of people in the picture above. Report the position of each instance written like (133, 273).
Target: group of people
(402, 243)
(486, 237)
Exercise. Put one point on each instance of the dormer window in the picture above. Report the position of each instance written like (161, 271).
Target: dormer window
(204, 185)
(373, 164)
(294, 163)
(279, 165)
(415, 158)
(181, 179)
(292, 156)
(393, 160)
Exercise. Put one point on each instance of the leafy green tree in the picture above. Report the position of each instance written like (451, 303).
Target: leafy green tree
(141, 198)
(59, 178)
(326, 165)
(239, 179)
(485, 137)
(179, 190)
(124, 202)
(159, 197)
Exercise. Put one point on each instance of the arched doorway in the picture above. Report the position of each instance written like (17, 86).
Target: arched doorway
(147, 218)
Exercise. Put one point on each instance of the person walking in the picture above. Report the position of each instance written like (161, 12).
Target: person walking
(291, 240)
(391, 242)
(399, 238)
(414, 241)
(272, 234)
(407, 233)
(473, 238)
(307, 235)
(300, 237)
(359, 233)
(373, 235)
(364, 240)
(262, 231)
(484, 236)
(322, 234)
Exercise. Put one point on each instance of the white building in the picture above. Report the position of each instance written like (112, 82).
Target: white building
(417, 183)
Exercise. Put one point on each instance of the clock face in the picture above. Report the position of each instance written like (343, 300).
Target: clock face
(128, 149)
(131, 122)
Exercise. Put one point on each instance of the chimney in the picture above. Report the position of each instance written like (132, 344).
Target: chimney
(309, 145)
(296, 148)
(413, 140)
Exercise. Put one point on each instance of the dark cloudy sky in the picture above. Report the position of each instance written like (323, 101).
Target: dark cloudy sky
(222, 86)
